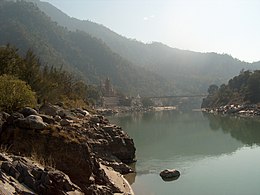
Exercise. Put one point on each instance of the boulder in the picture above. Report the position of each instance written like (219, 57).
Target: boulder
(62, 113)
(31, 122)
(170, 174)
(38, 180)
(57, 118)
(81, 111)
(119, 167)
(66, 114)
(95, 119)
(65, 122)
(47, 119)
(110, 140)
(49, 109)
(27, 111)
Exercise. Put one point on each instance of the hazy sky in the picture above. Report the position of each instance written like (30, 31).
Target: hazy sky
(222, 26)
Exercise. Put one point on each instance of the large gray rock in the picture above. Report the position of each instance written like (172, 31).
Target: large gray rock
(49, 109)
(18, 170)
(27, 111)
(57, 118)
(65, 122)
(66, 114)
(95, 119)
(81, 111)
(47, 119)
(31, 122)
(170, 174)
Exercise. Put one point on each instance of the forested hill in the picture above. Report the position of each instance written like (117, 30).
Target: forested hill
(24, 26)
(191, 72)
(242, 89)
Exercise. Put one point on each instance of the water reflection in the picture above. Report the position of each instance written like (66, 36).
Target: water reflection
(207, 149)
(172, 139)
(246, 130)
(169, 135)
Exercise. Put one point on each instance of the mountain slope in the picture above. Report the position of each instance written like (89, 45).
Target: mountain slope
(76, 51)
(190, 71)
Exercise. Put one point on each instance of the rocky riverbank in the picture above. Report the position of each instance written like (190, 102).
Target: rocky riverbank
(59, 151)
(241, 110)
(125, 109)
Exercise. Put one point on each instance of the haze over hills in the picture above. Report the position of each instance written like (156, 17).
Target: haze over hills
(96, 52)
(191, 72)
(25, 26)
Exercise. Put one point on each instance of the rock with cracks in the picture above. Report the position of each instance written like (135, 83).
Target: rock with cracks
(87, 149)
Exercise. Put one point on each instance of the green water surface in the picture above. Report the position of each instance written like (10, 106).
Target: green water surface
(216, 155)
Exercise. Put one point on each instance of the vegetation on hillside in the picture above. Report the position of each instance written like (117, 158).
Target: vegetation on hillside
(25, 26)
(90, 53)
(22, 75)
(242, 89)
(190, 72)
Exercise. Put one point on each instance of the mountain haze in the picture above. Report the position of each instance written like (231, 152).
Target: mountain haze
(191, 72)
(25, 26)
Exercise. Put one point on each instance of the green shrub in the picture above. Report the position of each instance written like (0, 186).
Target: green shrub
(15, 94)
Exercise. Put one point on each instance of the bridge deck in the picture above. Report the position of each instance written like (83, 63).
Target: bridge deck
(179, 96)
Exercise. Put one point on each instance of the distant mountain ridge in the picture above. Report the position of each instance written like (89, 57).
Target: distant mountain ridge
(191, 72)
(25, 26)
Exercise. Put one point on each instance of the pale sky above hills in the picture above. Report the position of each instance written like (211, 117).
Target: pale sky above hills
(222, 26)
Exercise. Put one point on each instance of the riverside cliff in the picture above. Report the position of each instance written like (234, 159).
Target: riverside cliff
(58, 151)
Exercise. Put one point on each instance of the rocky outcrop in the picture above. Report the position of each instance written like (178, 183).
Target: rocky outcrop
(27, 111)
(20, 175)
(31, 122)
(74, 142)
(241, 110)
(107, 139)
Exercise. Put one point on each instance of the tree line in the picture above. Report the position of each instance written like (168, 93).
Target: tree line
(43, 83)
(241, 89)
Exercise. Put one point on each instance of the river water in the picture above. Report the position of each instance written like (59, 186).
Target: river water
(216, 155)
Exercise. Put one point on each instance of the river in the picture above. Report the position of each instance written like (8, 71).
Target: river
(216, 155)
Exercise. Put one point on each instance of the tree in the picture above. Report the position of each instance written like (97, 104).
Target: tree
(253, 88)
(15, 94)
(30, 71)
(212, 89)
(51, 84)
(10, 61)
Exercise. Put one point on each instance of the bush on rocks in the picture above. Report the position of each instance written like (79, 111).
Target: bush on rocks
(15, 94)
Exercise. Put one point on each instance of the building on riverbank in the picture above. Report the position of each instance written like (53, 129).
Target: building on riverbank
(111, 98)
